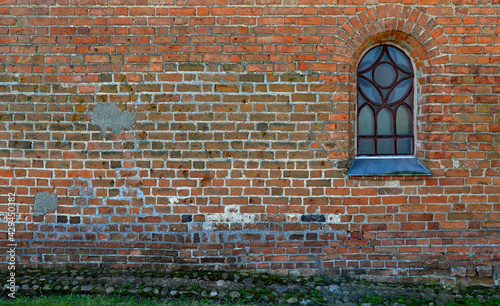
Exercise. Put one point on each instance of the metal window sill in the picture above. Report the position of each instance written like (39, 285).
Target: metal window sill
(387, 166)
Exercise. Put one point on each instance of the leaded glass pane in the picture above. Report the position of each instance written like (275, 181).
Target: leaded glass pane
(408, 100)
(385, 146)
(400, 90)
(403, 121)
(384, 122)
(366, 122)
(370, 58)
(400, 59)
(361, 100)
(384, 75)
(404, 145)
(366, 146)
(370, 91)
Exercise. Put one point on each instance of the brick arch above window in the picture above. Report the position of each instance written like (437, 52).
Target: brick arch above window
(412, 29)
(407, 28)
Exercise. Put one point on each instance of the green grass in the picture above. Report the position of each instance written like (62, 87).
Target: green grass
(411, 301)
(112, 300)
(105, 300)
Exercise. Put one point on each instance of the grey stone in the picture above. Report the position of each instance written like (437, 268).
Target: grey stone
(220, 283)
(107, 115)
(496, 277)
(281, 289)
(333, 288)
(234, 294)
(44, 202)
(460, 272)
(485, 271)
(87, 287)
(213, 293)
(292, 300)
(165, 291)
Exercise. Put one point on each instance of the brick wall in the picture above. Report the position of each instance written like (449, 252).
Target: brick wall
(211, 134)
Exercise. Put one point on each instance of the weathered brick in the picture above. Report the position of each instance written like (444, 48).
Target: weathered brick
(191, 67)
(245, 125)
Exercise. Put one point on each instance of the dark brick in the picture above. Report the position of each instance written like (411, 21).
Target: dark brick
(187, 218)
(74, 220)
(191, 67)
(20, 144)
(252, 78)
(313, 218)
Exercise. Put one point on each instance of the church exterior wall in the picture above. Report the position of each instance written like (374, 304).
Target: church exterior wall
(208, 134)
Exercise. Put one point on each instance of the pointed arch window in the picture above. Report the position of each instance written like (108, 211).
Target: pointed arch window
(385, 102)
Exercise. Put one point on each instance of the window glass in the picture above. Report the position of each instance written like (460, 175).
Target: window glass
(400, 91)
(404, 145)
(385, 146)
(384, 75)
(370, 91)
(384, 122)
(367, 122)
(385, 102)
(400, 59)
(403, 121)
(370, 58)
(366, 146)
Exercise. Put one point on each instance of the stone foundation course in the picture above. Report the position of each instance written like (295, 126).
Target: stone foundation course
(242, 287)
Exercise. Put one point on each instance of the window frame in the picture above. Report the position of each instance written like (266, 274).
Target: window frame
(384, 105)
(392, 164)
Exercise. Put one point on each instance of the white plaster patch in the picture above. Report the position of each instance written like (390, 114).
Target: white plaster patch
(44, 202)
(293, 217)
(392, 183)
(173, 200)
(456, 163)
(231, 214)
(109, 116)
(128, 193)
(333, 218)
(186, 194)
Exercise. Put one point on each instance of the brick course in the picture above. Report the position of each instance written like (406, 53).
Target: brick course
(245, 129)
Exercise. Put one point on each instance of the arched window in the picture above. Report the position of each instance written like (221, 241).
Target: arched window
(385, 102)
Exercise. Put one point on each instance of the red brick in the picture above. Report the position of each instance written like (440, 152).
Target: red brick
(250, 107)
